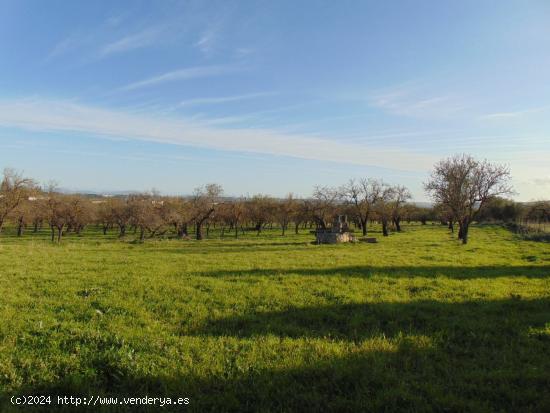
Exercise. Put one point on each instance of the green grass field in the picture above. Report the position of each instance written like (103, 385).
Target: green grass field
(416, 322)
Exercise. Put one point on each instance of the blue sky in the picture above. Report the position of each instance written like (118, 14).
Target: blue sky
(272, 96)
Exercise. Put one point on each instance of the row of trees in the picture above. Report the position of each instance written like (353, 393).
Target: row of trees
(28, 206)
(463, 190)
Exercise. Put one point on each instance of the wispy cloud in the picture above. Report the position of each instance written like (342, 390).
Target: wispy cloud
(184, 74)
(131, 42)
(224, 99)
(76, 43)
(90, 39)
(64, 46)
(514, 114)
(52, 115)
(412, 102)
(206, 41)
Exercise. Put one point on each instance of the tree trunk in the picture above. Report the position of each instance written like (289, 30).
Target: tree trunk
(59, 234)
(35, 228)
(364, 226)
(20, 227)
(397, 222)
(198, 224)
(141, 233)
(465, 228)
(385, 227)
(104, 230)
(198, 230)
(451, 225)
(182, 231)
(53, 233)
(296, 228)
(122, 230)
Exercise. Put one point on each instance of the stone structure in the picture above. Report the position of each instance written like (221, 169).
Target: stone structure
(338, 232)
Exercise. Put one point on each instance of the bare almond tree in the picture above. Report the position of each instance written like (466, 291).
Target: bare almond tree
(122, 214)
(383, 206)
(399, 197)
(14, 189)
(178, 213)
(203, 204)
(147, 215)
(285, 211)
(104, 214)
(22, 215)
(362, 196)
(260, 209)
(80, 213)
(234, 213)
(57, 213)
(465, 185)
(322, 207)
(140, 207)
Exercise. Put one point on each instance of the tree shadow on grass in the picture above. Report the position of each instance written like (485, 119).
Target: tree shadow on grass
(488, 320)
(475, 356)
(365, 271)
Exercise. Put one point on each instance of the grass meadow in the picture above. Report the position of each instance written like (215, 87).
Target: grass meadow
(416, 322)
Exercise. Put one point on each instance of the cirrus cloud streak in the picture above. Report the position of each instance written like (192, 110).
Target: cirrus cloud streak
(57, 115)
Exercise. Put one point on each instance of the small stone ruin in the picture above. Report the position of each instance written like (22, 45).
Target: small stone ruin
(338, 232)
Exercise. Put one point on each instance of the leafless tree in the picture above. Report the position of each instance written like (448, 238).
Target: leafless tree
(14, 189)
(57, 213)
(285, 211)
(322, 207)
(362, 196)
(80, 213)
(233, 213)
(203, 204)
(121, 214)
(465, 185)
(22, 215)
(260, 211)
(146, 214)
(301, 214)
(104, 214)
(383, 206)
(139, 207)
(178, 213)
(399, 196)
